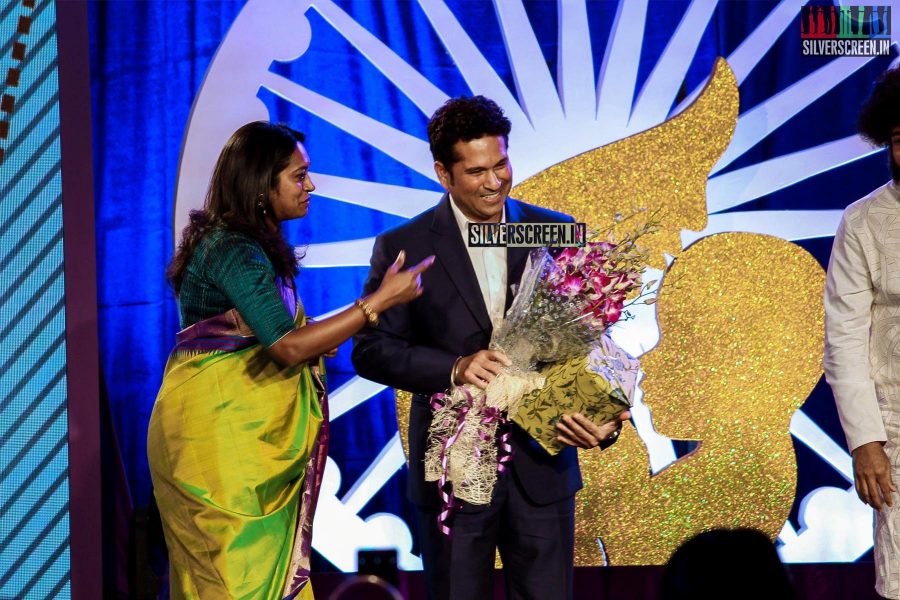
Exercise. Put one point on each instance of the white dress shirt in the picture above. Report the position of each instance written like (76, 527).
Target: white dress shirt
(490, 270)
(489, 265)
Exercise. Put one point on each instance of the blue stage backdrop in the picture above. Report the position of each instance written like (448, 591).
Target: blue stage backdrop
(360, 78)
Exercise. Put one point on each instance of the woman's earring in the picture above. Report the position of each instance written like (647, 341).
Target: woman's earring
(261, 206)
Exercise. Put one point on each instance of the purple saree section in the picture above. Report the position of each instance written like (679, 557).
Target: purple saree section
(225, 333)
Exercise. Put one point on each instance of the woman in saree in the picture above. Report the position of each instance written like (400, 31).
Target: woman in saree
(238, 435)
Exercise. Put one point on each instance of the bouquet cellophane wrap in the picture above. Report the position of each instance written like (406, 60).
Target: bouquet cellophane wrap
(468, 441)
(600, 386)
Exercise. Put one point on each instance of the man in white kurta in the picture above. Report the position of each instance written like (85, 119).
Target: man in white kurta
(862, 335)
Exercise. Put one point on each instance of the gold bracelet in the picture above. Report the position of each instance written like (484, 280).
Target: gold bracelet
(371, 315)
(454, 374)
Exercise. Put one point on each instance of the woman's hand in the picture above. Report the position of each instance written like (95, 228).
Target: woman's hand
(399, 287)
(314, 361)
(317, 339)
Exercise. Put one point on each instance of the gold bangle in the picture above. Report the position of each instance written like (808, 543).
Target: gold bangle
(368, 311)
(454, 375)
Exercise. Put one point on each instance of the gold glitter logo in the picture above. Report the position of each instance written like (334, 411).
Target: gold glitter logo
(729, 372)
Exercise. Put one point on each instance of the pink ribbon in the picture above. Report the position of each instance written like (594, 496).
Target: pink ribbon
(504, 449)
(445, 488)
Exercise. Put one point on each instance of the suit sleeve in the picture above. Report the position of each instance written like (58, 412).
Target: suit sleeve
(386, 354)
(848, 318)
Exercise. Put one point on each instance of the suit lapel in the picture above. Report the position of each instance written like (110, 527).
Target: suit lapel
(515, 257)
(454, 258)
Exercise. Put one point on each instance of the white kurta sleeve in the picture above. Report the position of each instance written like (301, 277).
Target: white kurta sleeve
(848, 316)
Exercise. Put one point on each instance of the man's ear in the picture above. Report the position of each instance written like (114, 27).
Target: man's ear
(444, 176)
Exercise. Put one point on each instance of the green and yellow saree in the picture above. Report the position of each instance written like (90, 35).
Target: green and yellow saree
(237, 448)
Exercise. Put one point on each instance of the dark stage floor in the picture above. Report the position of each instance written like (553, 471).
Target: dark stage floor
(814, 582)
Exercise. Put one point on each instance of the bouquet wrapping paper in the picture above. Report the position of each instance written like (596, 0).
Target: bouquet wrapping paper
(600, 386)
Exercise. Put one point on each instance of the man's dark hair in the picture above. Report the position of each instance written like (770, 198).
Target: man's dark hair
(464, 119)
(880, 112)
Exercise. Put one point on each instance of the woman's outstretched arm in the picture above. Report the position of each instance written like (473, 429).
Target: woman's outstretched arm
(305, 343)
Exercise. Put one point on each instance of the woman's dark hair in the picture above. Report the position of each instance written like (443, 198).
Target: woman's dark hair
(726, 563)
(464, 119)
(238, 196)
(880, 113)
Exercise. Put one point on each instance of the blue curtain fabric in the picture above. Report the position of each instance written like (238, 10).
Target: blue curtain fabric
(147, 61)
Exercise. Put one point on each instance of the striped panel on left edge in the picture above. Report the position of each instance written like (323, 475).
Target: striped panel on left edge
(34, 485)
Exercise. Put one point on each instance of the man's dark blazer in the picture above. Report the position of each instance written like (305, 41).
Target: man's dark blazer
(415, 345)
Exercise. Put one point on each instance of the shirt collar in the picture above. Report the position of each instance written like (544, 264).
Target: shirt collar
(462, 221)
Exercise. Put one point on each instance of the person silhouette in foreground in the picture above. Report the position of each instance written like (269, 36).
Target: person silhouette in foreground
(726, 563)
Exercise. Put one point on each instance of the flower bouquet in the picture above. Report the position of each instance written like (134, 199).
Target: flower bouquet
(562, 362)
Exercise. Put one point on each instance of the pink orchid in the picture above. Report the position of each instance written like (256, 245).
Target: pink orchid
(599, 281)
(610, 312)
(572, 284)
(567, 254)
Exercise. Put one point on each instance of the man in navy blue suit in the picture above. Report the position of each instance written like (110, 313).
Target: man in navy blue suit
(441, 339)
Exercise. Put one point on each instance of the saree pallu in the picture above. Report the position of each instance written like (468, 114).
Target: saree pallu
(236, 456)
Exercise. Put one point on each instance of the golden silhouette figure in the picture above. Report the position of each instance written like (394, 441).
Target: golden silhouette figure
(740, 350)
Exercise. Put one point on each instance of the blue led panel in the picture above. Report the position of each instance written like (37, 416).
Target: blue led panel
(34, 491)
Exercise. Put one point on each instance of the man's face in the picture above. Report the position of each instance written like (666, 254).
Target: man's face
(895, 153)
(480, 180)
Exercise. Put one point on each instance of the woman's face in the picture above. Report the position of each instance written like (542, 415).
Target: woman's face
(290, 196)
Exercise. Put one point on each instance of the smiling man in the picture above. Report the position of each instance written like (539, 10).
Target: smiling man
(441, 339)
(862, 333)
